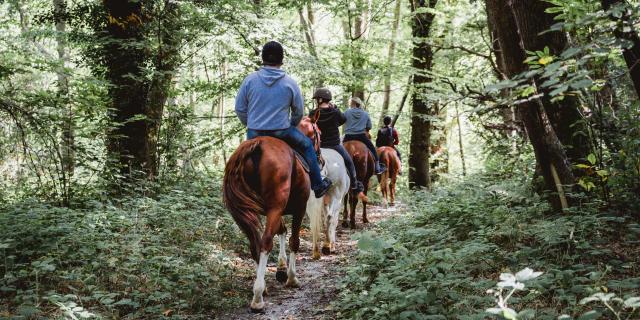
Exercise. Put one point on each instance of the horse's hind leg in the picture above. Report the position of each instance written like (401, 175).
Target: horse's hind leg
(281, 274)
(345, 212)
(353, 202)
(364, 206)
(294, 246)
(274, 221)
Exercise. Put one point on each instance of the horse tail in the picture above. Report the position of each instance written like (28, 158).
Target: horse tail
(242, 201)
(315, 210)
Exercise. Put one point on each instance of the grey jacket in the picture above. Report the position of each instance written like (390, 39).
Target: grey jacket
(358, 121)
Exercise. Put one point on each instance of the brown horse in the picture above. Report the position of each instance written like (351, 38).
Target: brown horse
(387, 179)
(263, 177)
(365, 167)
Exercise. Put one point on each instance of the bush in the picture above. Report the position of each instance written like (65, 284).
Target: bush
(135, 257)
(439, 261)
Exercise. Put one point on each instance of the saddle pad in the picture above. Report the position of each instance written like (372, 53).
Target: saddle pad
(302, 161)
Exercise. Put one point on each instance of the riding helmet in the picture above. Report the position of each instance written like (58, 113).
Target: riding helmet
(322, 93)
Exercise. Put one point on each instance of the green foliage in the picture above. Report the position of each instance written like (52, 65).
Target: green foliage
(438, 261)
(136, 257)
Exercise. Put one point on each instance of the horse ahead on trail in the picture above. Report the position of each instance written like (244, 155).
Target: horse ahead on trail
(264, 177)
(365, 168)
(324, 213)
(389, 157)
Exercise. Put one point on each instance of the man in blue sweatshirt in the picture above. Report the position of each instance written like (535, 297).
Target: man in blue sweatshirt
(270, 104)
(356, 128)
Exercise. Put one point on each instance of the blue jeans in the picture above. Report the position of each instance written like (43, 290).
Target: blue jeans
(301, 143)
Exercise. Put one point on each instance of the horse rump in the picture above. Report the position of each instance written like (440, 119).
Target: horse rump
(240, 197)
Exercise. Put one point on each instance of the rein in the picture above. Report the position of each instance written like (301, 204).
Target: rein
(316, 141)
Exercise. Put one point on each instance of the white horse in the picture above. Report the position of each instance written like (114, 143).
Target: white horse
(324, 212)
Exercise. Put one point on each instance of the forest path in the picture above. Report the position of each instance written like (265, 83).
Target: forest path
(318, 278)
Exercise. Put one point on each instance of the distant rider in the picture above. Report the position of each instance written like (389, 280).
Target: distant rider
(263, 104)
(331, 118)
(356, 128)
(388, 136)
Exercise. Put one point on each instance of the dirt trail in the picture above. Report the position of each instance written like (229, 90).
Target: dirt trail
(318, 278)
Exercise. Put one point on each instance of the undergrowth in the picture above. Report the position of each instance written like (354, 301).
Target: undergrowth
(137, 257)
(439, 259)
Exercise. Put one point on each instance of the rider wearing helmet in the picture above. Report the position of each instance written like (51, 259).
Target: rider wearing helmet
(356, 128)
(330, 119)
(263, 104)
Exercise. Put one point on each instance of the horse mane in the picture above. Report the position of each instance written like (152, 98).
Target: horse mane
(242, 201)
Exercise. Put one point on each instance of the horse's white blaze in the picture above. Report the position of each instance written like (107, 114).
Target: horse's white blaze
(282, 255)
(324, 218)
(259, 286)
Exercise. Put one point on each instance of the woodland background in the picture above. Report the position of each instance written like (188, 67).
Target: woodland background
(519, 126)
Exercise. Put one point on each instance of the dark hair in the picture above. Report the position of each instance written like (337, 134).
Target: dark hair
(387, 120)
(272, 53)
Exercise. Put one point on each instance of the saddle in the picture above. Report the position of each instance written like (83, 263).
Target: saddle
(303, 162)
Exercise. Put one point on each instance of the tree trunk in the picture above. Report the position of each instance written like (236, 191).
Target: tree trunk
(407, 90)
(568, 122)
(307, 29)
(357, 55)
(460, 145)
(127, 141)
(166, 64)
(68, 137)
(625, 31)
(549, 151)
(390, 62)
(138, 104)
(420, 122)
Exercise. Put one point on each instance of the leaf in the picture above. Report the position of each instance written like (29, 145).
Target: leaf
(633, 302)
(545, 60)
(591, 158)
(527, 274)
(591, 315)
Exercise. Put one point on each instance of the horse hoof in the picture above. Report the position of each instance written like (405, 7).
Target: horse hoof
(281, 275)
(345, 224)
(293, 283)
(257, 307)
(353, 226)
(326, 250)
(365, 220)
(315, 256)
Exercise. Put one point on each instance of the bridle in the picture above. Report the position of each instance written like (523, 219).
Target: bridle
(316, 144)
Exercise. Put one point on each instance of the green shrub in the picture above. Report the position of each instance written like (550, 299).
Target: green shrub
(438, 261)
(135, 257)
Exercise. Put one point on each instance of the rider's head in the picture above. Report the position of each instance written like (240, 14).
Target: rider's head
(356, 102)
(387, 120)
(322, 96)
(272, 54)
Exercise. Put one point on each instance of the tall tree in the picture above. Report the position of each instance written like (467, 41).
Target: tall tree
(625, 31)
(68, 136)
(390, 60)
(549, 151)
(136, 102)
(533, 25)
(422, 62)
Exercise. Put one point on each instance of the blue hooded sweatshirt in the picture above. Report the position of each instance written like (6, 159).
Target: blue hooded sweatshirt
(266, 98)
(358, 121)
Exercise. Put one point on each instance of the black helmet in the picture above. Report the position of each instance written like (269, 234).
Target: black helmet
(322, 93)
(272, 53)
(387, 120)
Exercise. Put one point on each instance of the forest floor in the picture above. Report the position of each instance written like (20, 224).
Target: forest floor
(318, 278)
